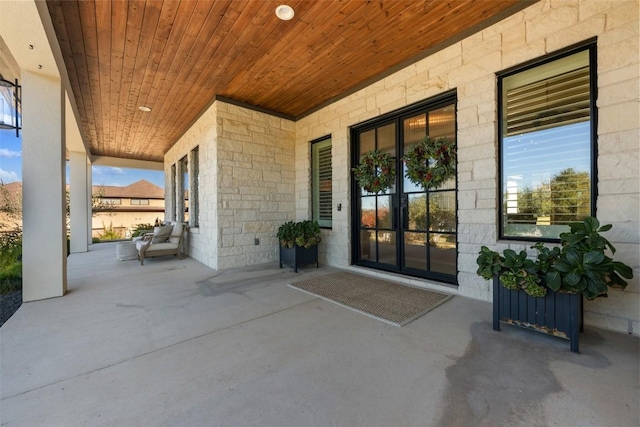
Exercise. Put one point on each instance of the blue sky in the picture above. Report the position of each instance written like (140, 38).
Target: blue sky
(11, 166)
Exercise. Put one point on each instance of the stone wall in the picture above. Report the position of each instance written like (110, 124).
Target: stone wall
(246, 185)
(202, 241)
(255, 185)
(470, 67)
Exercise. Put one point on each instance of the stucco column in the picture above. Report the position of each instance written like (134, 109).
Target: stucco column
(79, 202)
(44, 241)
(89, 189)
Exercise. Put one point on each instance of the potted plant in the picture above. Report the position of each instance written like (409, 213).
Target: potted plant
(299, 243)
(546, 293)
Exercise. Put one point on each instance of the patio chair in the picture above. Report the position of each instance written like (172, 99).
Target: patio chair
(165, 240)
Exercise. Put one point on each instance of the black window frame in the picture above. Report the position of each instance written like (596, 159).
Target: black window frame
(588, 45)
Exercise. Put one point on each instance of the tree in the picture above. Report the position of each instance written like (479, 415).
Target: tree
(570, 196)
(565, 198)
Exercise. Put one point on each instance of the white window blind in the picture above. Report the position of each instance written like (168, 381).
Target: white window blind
(322, 183)
(551, 102)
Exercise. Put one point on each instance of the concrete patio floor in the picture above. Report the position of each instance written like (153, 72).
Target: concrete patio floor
(174, 343)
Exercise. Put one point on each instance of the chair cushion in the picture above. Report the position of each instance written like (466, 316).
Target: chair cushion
(161, 247)
(176, 232)
(161, 234)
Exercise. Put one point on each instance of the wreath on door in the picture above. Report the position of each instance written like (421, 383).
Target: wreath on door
(431, 162)
(376, 171)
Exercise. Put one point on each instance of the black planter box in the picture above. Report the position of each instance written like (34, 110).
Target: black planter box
(558, 313)
(297, 256)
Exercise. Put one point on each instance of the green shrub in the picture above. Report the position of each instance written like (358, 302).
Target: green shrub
(304, 233)
(140, 228)
(10, 260)
(110, 233)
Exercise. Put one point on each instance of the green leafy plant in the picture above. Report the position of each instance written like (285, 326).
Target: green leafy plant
(110, 233)
(287, 234)
(141, 228)
(580, 265)
(583, 265)
(304, 234)
(307, 234)
(10, 259)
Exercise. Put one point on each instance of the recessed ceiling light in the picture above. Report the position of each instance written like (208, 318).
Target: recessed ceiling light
(284, 12)
(145, 109)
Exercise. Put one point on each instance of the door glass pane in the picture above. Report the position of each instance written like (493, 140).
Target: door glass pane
(415, 250)
(415, 129)
(442, 211)
(384, 212)
(442, 253)
(367, 142)
(417, 211)
(387, 138)
(368, 245)
(387, 247)
(368, 212)
(442, 122)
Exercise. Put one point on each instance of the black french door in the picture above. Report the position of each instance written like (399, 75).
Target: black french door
(407, 229)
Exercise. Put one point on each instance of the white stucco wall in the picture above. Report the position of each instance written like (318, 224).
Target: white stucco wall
(255, 168)
(470, 67)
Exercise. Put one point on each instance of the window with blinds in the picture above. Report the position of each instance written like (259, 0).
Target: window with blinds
(322, 182)
(546, 147)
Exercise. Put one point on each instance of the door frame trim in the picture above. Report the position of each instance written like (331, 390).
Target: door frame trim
(433, 103)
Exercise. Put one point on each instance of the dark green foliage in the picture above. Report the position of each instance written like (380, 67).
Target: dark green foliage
(141, 228)
(10, 260)
(305, 234)
(489, 263)
(579, 266)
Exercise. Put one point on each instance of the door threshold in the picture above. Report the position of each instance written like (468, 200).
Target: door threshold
(406, 280)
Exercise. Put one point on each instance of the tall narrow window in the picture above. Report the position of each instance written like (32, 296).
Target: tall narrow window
(174, 208)
(184, 175)
(547, 140)
(194, 209)
(322, 182)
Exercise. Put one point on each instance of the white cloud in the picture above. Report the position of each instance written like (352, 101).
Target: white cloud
(8, 176)
(9, 153)
(99, 170)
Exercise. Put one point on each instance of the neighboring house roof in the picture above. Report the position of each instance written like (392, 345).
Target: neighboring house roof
(142, 189)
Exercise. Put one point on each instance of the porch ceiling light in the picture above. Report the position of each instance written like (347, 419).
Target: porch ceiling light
(143, 108)
(284, 12)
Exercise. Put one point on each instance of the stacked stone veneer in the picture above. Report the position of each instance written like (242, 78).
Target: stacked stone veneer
(246, 187)
(255, 180)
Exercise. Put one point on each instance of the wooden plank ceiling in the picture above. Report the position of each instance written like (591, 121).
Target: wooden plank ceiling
(176, 56)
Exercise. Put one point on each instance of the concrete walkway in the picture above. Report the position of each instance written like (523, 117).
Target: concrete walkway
(174, 343)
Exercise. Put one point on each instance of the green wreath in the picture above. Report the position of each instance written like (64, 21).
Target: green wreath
(431, 162)
(376, 171)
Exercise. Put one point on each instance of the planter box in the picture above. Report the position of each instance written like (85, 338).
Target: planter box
(297, 256)
(557, 314)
